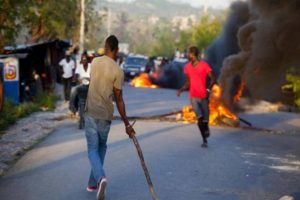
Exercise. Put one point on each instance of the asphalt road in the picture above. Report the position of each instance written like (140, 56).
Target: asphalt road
(239, 163)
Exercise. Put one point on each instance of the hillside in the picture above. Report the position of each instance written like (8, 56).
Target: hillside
(141, 23)
(159, 8)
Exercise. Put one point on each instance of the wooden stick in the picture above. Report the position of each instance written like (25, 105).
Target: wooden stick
(152, 117)
(245, 121)
(146, 172)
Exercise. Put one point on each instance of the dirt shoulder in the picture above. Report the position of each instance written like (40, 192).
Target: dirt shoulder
(27, 132)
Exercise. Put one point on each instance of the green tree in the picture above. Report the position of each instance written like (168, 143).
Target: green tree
(52, 19)
(164, 44)
(200, 35)
(93, 26)
(206, 31)
(185, 39)
(9, 24)
(42, 20)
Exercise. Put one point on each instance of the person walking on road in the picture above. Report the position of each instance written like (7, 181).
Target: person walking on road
(197, 72)
(68, 67)
(106, 81)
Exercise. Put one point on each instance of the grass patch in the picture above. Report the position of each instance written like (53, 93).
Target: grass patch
(12, 112)
(45, 101)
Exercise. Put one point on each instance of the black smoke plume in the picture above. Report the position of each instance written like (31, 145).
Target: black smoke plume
(270, 47)
(227, 43)
(171, 76)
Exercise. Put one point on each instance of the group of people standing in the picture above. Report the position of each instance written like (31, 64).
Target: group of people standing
(106, 82)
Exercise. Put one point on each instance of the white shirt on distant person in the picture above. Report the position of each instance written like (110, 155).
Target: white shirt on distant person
(67, 67)
(82, 73)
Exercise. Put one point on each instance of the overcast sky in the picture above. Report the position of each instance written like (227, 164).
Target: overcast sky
(209, 3)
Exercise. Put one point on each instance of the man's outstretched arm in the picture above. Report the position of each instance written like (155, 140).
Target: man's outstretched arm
(121, 108)
(185, 86)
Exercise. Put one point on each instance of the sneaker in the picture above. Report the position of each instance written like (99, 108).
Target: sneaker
(204, 145)
(101, 189)
(91, 188)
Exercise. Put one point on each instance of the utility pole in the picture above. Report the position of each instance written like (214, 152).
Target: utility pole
(108, 22)
(205, 8)
(82, 25)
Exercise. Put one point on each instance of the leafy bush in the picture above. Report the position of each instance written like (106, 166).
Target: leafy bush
(294, 86)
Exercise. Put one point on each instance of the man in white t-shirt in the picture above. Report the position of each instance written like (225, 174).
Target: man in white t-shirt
(68, 67)
(82, 71)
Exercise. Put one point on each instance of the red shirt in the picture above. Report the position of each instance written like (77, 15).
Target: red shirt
(197, 75)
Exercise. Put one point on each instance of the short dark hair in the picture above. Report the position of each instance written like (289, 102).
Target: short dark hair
(112, 43)
(194, 50)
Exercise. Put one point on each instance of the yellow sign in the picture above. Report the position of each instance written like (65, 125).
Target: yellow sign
(11, 69)
(10, 72)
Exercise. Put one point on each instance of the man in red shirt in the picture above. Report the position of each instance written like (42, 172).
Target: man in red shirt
(197, 72)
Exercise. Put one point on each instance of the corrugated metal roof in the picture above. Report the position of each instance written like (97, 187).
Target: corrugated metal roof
(28, 46)
(18, 55)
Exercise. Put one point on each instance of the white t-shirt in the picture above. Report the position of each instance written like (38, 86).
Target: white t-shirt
(67, 67)
(82, 73)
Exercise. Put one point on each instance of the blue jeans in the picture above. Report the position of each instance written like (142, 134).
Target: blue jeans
(96, 132)
(201, 108)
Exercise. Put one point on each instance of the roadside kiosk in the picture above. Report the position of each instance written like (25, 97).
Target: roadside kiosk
(9, 66)
(1, 90)
(30, 69)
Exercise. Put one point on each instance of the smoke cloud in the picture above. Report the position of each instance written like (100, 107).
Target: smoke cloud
(270, 46)
(171, 76)
(227, 43)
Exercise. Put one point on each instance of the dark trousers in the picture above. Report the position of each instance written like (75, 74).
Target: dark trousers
(201, 108)
(67, 83)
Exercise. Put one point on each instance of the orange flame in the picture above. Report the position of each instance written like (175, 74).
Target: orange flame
(142, 81)
(218, 111)
(188, 115)
(239, 93)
